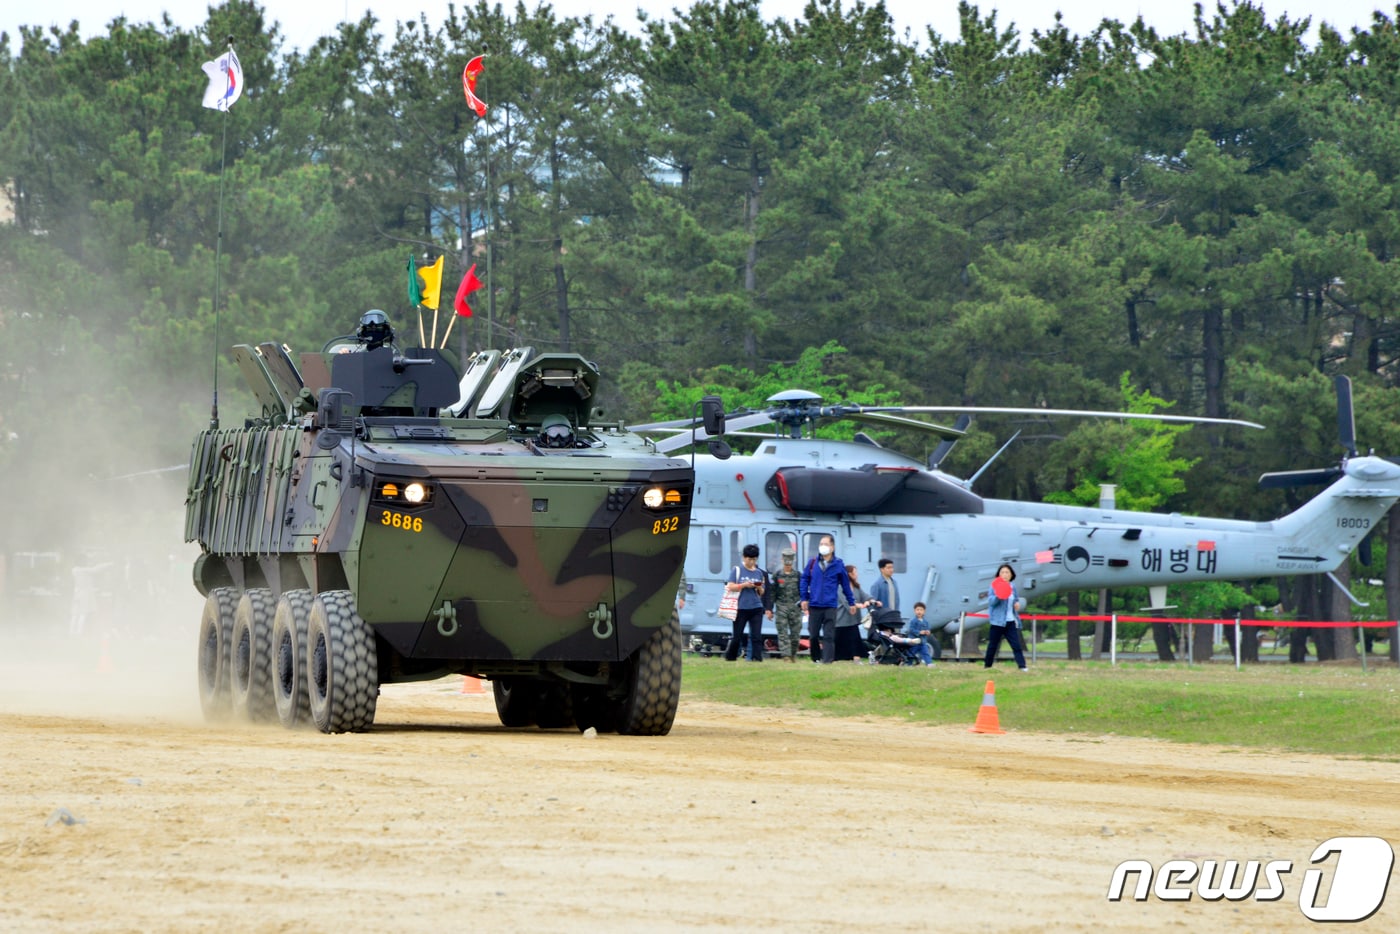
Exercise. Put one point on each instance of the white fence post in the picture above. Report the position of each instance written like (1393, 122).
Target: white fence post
(1237, 642)
(1113, 639)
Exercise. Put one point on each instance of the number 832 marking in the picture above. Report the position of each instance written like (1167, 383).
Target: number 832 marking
(662, 526)
(400, 521)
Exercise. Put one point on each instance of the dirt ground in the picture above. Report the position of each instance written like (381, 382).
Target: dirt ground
(441, 819)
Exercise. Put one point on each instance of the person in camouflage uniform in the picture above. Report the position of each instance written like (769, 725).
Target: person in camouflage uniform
(786, 614)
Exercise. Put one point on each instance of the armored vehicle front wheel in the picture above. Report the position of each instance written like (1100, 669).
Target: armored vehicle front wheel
(653, 684)
(645, 702)
(516, 699)
(251, 657)
(342, 665)
(215, 636)
(289, 658)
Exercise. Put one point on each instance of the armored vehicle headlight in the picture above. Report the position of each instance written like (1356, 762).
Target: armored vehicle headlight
(653, 497)
(411, 493)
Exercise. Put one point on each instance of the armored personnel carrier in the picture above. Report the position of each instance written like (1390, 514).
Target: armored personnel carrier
(386, 519)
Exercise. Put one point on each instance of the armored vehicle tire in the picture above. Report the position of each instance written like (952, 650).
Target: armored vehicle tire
(515, 701)
(554, 708)
(653, 685)
(594, 708)
(289, 659)
(342, 665)
(250, 681)
(215, 636)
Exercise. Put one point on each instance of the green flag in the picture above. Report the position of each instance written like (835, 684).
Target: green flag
(415, 293)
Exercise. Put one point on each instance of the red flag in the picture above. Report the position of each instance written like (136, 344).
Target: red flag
(469, 76)
(470, 283)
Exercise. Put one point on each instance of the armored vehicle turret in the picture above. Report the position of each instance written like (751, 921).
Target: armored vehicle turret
(387, 519)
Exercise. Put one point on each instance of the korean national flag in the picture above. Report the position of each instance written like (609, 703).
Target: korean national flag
(225, 81)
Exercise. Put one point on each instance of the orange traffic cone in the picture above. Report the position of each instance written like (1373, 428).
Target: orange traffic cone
(987, 721)
(472, 685)
(104, 661)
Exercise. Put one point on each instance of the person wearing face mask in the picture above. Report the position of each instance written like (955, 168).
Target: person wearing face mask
(822, 580)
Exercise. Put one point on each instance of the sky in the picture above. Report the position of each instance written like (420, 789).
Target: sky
(303, 21)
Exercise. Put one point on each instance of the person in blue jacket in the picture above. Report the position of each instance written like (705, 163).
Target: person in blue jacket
(1003, 618)
(823, 578)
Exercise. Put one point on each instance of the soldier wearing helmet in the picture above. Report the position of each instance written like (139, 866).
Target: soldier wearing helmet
(374, 331)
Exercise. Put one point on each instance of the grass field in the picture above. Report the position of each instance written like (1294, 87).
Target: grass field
(1329, 709)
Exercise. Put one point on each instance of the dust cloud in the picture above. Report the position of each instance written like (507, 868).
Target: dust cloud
(98, 614)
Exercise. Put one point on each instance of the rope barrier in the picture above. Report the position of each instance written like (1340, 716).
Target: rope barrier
(1301, 624)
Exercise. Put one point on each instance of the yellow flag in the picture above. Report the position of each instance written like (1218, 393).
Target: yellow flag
(432, 283)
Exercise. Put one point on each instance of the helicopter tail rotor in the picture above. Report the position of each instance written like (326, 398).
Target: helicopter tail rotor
(1346, 436)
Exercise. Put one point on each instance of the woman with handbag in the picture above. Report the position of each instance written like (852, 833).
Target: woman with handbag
(747, 581)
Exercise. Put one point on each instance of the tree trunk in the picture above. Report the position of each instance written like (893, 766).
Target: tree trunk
(1343, 640)
(1072, 627)
(1162, 636)
(1101, 630)
(751, 201)
(1203, 642)
(1213, 362)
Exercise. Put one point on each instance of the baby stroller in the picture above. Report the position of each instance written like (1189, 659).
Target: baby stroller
(888, 646)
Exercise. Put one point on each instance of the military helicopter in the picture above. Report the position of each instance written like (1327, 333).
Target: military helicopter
(946, 541)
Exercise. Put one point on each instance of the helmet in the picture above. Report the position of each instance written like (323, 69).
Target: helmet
(556, 432)
(374, 329)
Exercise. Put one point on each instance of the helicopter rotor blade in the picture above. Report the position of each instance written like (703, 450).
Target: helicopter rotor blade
(1346, 418)
(946, 445)
(1084, 413)
(887, 420)
(1291, 479)
(687, 438)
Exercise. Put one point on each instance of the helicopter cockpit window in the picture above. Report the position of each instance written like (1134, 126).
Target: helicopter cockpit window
(892, 546)
(714, 543)
(773, 545)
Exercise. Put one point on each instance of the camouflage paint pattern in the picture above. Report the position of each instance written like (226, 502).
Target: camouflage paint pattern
(518, 554)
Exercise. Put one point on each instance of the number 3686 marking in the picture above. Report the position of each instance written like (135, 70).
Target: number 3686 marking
(662, 526)
(400, 521)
